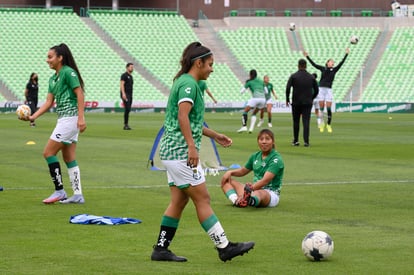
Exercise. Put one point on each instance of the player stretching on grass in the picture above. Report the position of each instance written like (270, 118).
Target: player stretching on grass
(268, 168)
(66, 87)
(179, 152)
(325, 88)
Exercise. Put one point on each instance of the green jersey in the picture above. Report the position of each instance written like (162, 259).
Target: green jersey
(203, 86)
(256, 86)
(269, 87)
(173, 145)
(61, 85)
(273, 163)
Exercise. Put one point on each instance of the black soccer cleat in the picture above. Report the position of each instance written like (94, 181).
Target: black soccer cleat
(164, 254)
(244, 201)
(234, 249)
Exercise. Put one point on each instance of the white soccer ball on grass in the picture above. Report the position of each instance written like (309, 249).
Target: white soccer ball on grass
(317, 246)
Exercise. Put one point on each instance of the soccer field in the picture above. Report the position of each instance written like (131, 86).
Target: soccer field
(356, 184)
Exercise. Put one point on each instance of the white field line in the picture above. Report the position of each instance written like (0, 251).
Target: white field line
(165, 185)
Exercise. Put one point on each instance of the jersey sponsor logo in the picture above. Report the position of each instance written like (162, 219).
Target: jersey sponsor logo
(275, 160)
(188, 90)
(73, 74)
(58, 136)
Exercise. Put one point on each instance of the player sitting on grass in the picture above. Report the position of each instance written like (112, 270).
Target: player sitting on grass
(268, 168)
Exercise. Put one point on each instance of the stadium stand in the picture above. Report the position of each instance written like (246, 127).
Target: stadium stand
(151, 37)
(31, 32)
(268, 51)
(224, 85)
(325, 43)
(265, 49)
(393, 79)
(161, 58)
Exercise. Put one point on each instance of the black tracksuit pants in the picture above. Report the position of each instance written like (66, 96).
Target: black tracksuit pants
(304, 111)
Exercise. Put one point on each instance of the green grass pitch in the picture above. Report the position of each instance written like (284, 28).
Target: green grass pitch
(356, 184)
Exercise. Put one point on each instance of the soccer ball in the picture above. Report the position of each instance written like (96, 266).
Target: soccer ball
(354, 39)
(317, 246)
(292, 26)
(23, 112)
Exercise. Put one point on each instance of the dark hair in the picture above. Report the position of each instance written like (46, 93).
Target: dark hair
(267, 132)
(31, 76)
(191, 53)
(252, 75)
(315, 75)
(302, 63)
(68, 60)
(128, 64)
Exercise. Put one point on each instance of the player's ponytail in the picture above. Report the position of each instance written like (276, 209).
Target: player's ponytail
(191, 53)
(67, 59)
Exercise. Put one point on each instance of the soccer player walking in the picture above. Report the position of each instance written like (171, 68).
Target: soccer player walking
(328, 73)
(258, 101)
(66, 87)
(269, 91)
(179, 153)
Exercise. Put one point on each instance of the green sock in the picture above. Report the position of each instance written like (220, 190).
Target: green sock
(254, 201)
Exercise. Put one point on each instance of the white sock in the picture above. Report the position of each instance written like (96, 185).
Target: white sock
(233, 198)
(252, 123)
(217, 235)
(74, 177)
(321, 117)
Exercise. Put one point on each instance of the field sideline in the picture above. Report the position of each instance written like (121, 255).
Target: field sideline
(356, 184)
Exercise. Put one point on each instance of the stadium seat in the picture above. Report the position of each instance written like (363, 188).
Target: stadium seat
(101, 75)
(315, 40)
(392, 79)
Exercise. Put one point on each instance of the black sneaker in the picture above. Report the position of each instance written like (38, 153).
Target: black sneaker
(164, 254)
(295, 143)
(234, 249)
(126, 127)
(306, 144)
